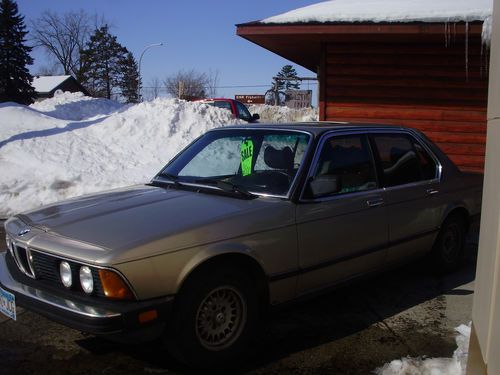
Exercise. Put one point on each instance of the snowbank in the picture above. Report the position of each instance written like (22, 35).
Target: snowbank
(457, 365)
(269, 113)
(45, 156)
(76, 106)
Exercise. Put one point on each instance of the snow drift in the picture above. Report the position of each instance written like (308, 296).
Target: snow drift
(72, 145)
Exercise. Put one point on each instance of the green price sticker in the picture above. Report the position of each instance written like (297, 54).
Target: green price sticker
(246, 157)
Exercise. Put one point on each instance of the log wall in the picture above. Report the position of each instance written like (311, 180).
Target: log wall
(438, 85)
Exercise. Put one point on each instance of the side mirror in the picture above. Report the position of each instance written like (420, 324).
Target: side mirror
(255, 117)
(325, 185)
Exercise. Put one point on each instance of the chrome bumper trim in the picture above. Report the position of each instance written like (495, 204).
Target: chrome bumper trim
(78, 308)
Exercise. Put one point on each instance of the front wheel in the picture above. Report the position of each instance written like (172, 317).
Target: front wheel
(215, 315)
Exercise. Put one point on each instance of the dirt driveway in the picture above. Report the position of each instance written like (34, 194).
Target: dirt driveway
(350, 331)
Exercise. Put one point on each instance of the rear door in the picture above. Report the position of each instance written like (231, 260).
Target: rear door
(410, 175)
(345, 233)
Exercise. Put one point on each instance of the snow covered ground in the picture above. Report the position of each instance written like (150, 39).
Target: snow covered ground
(457, 365)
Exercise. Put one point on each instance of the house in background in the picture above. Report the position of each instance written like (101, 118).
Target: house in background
(422, 64)
(46, 86)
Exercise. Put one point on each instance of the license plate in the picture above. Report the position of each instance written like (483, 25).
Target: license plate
(8, 304)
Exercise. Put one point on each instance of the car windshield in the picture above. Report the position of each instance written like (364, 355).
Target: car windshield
(246, 161)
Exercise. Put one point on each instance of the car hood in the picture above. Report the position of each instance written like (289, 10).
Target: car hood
(141, 221)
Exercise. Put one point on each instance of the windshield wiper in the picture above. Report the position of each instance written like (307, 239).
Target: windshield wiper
(171, 177)
(226, 186)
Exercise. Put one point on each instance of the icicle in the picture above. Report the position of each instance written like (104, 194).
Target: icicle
(466, 50)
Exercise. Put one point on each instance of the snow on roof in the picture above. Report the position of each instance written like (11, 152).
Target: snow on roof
(45, 84)
(388, 11)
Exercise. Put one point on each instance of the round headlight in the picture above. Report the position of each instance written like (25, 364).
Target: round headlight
(66, 274)
(86, 280)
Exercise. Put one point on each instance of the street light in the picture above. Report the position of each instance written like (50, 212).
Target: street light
(140, 61)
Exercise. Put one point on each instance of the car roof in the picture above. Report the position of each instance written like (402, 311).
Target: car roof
(319, 127)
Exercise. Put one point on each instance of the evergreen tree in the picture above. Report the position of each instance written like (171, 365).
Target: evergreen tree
(129, 82)
(288, 71)
(15, 79)
(103, 63)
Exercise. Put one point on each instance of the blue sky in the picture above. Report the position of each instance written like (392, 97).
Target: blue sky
(198, 35)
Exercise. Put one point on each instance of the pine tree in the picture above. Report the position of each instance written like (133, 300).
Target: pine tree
(129, 82)
(102, 63)
(15, 79)
(288, 71)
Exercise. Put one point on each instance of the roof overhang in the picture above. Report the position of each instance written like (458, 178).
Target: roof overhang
(301, 43)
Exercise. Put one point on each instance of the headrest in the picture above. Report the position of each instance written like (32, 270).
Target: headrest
(279, 159)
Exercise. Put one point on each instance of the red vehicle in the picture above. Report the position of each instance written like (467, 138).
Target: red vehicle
(238, 109)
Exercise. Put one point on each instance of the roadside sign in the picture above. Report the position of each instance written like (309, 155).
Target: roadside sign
(250, 99)
(298, 98)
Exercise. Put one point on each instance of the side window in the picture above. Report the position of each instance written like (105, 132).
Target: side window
(348, 160)
(243, 112)
(283, 144)
(427, 163)
(221, 104)
(403, 160)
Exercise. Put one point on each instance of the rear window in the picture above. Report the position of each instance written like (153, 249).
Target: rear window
(403, 160)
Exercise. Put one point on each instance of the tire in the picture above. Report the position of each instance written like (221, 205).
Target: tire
(215, 315)
(448, 249)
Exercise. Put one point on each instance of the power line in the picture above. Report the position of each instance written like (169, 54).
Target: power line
(229, 87)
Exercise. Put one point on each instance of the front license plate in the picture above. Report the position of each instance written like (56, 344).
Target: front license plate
(8, 304)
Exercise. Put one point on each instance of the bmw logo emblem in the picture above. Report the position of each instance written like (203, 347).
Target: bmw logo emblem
(24, 231)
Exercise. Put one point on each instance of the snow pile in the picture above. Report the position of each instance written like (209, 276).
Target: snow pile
(76, 106)
(457, 365)
(269, 113)
(45, 159)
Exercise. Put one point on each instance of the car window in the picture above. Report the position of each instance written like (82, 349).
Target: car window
(224, 155)
(260, 161)
(296, 144)
(427, 163)
(349, 160)
(403, 160)
(221, 104)
(243, 112)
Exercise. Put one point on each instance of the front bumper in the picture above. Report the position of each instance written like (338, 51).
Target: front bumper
(111, 318)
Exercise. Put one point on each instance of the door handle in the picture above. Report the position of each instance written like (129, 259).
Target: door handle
(375, 202)
(432, 191)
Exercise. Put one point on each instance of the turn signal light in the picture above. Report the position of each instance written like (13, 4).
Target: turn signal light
(114, 286)
(148, 316)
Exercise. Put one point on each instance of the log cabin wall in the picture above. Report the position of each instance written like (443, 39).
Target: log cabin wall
(438, 85)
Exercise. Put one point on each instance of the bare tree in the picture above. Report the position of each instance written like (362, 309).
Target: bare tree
(53, 69)
(64, 36)
(213, 83)
(187, 85)
(154, 87)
